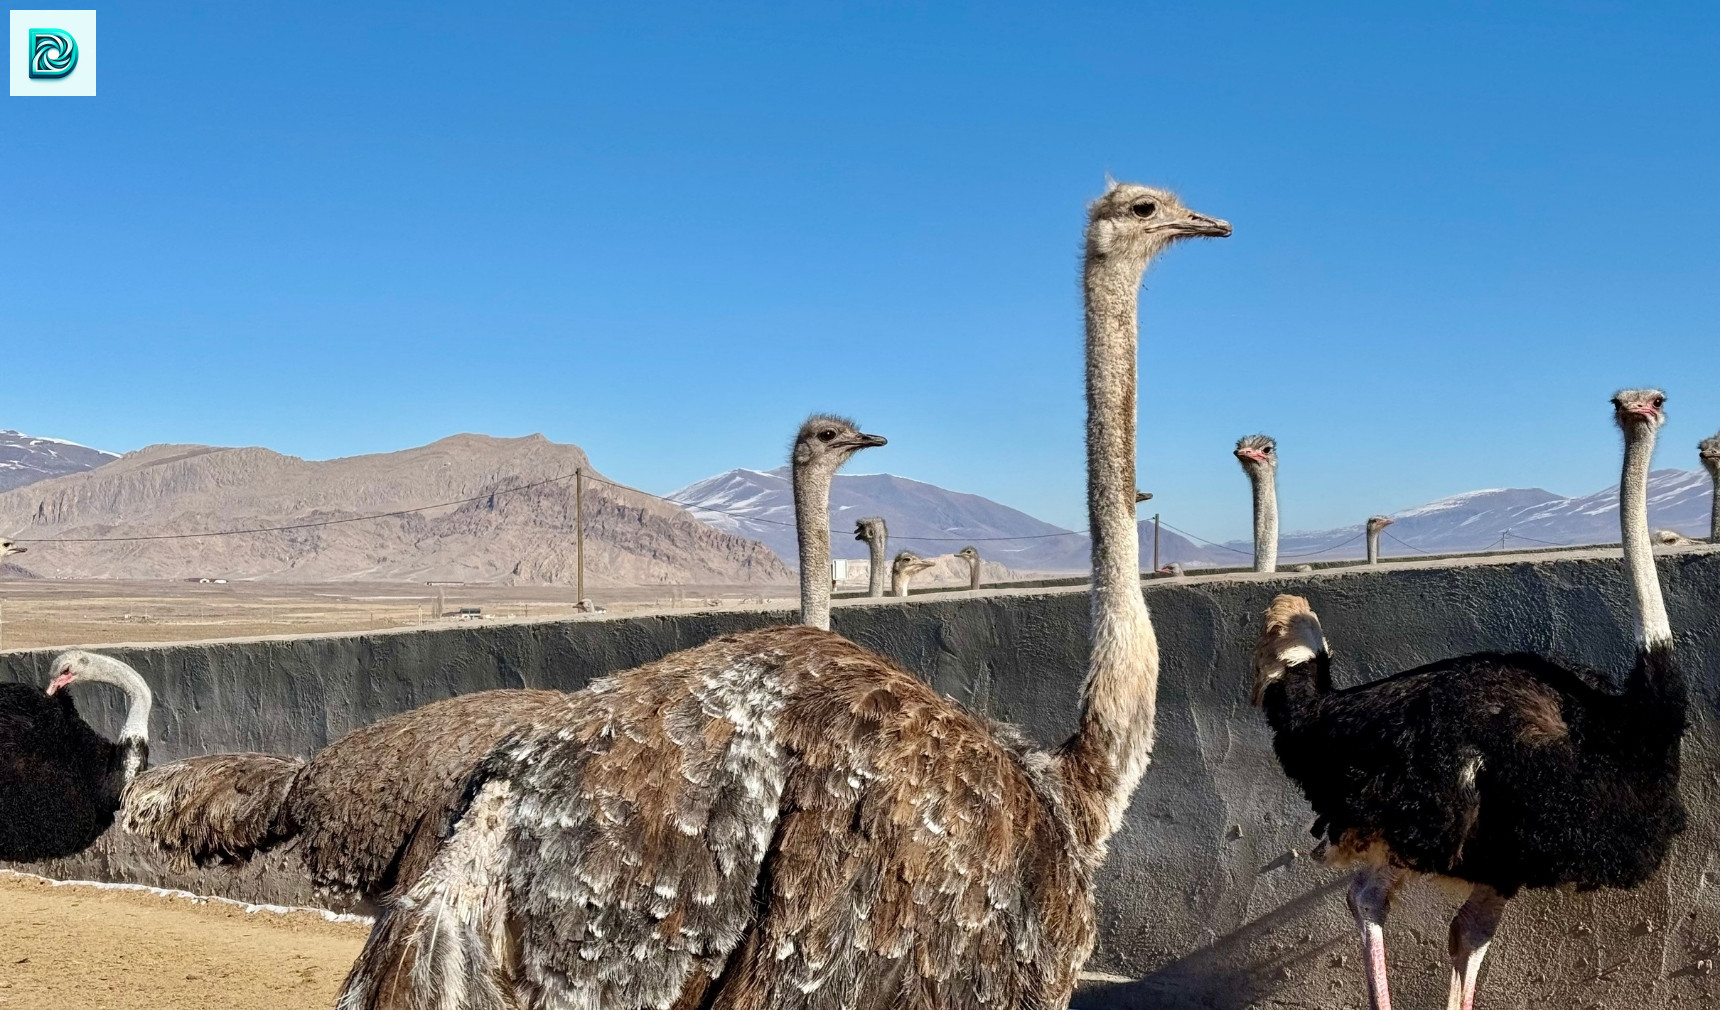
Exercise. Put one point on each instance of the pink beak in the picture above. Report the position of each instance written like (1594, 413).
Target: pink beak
(1253, 454)
(61, 681)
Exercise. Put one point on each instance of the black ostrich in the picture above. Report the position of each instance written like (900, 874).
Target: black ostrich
(60, 782)
(1500, 770)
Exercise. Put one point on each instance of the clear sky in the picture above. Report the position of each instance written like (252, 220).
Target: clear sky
(666, 232)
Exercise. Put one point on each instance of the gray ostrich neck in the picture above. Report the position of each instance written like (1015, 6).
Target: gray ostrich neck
(1265, 481)
(139, 699)
(973, 573)
(1652, 626)
(1373, 547)
(1714, 506)
(1120, 694)
(878, 578)
(812, 531)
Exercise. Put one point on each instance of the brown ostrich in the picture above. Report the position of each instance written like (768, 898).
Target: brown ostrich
(366, 812)
(783, 819)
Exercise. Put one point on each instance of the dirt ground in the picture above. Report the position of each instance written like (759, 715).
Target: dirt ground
(53, 613)
(105, 949)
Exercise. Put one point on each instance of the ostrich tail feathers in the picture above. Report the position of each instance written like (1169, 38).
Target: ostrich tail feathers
(1289, 636)
(216, 809)
(423, 955)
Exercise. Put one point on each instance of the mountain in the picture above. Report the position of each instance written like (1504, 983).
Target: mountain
(1511, 517)
(524, 536)
(26, 459)
(923, 518)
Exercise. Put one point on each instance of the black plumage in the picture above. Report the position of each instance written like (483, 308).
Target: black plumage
(60, 781)
(1504, 769)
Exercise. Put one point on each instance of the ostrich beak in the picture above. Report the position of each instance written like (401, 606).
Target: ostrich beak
(61, 681)
(12, 550)
(864, 441)
(1253, 454)
(1200, 224)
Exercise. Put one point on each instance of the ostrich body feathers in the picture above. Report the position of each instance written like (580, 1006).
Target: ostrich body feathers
(59, 779)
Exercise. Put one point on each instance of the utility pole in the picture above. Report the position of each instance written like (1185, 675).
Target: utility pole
(579, 524)
(1155, 541)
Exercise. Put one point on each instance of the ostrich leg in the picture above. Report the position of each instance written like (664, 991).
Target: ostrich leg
(1471, 932)
(1370, 899)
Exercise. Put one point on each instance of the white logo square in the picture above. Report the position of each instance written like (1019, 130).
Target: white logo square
(53, 53)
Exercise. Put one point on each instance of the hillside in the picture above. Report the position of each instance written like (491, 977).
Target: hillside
(522, 537)
(923, 518)
(26, 459)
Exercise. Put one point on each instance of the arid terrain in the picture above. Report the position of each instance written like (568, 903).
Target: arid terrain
(94, 948)
(53, 613)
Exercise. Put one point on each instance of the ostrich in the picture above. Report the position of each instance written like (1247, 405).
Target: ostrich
(1709, 450)
(1258, 455)
(1375, 525)
(971, 556)
(782, 819)
(1672, 538)
(1502, 771)
(903, 569)
(1141, 496)
(365, 813)
(877, 537)
(8, 547)
(60, 782)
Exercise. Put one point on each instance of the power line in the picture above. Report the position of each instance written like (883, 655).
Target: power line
(1401, 543)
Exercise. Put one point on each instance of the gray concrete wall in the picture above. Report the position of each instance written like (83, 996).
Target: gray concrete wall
(1209, 898)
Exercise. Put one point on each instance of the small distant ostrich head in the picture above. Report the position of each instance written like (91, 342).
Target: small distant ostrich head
(1133, 223)
(1671, 538)
(905, 567)
(1173, 569)
(1141, 496)
(8, 547)
(1257, 453)
(1377, 523)
(1709, 450)
(1633, 407)
(969, 555)
(826, 441)
(870, 530)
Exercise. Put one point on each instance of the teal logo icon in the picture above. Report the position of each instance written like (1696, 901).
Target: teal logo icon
(53, 52)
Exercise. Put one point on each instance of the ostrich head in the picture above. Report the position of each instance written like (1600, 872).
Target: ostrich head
(1134, 222)
(1635, 407)
(78, 665)
(1377, 523)
(969, 555)
(870, 529)
(909, 564)
(826, 441)
(1709, 450)
(1257, 453)
(8, 547)
(1141, 496)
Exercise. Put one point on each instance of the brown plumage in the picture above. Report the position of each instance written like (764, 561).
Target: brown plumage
(361, 813)
(783, 819)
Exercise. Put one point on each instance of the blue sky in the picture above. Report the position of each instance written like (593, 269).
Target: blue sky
(668, 232)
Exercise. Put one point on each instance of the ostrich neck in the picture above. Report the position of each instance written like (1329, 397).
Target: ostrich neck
(812, 531)
(1265, 518)
(880, 574)
(1105, 759)
(139, 699)
(1714, 506)
(973, 574)
(1373, 547)
(1652, 627)
(898, 583)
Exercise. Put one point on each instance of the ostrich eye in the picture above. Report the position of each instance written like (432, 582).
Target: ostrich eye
(1145, 208)
(826, 435)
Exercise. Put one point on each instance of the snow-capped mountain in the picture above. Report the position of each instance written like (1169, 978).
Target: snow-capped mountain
(26, 459)
(1499, 518)
(923, 518)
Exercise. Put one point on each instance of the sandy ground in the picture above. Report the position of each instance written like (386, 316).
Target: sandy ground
(101, 949)
(51, 613)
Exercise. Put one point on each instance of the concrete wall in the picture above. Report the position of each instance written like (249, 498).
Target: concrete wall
(1209, 898)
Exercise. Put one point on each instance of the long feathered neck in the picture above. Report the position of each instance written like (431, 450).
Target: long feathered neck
(1103, 762)
(878, 543)
(1653, 630)
(1373, 546)
(812, 530)
(1714, 505)
(108, 670)
(1265, 481)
